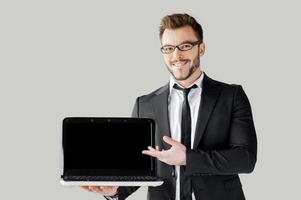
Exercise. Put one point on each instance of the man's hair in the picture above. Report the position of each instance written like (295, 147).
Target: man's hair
(176, 20)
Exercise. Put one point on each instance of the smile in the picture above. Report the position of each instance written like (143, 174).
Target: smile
(179, 64)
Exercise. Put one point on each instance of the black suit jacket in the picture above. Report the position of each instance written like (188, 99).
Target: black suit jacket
(225, 142)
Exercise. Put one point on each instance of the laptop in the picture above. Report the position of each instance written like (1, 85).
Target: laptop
(108, 152)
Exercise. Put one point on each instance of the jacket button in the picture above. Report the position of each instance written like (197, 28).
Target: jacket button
(173, 173)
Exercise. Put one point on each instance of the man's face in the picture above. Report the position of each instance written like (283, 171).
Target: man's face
(182, 64)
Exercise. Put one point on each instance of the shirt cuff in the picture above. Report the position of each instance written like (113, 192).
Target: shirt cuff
(112, 197)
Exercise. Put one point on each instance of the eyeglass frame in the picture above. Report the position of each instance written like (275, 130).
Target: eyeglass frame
(198, 42)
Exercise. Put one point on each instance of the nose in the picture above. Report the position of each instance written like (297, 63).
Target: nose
(177, 54)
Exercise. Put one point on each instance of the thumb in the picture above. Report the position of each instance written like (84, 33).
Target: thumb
(169, 140)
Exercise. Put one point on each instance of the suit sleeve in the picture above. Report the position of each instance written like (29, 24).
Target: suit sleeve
(124, 192)
(240, 155)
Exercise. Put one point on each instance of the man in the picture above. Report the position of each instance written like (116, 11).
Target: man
(205, 134)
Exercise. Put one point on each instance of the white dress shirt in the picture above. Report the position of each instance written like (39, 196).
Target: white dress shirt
(175, 101)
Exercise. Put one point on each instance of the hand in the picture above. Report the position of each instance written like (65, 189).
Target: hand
(103, 190)
(176, 155)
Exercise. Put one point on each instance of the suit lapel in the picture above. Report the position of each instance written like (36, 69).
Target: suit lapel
(210, 93)
(160, 106)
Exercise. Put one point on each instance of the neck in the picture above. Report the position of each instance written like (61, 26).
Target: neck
(191, 79)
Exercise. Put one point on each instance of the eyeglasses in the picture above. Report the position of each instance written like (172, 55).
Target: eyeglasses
(167, 49)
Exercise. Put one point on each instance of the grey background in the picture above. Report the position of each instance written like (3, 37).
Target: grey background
(93, 58)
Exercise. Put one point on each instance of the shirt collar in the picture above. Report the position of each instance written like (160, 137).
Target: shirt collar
(198, 82)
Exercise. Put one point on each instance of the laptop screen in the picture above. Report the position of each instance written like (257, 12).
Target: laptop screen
(110, 146)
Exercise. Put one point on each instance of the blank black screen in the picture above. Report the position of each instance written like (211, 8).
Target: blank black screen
(103, 145)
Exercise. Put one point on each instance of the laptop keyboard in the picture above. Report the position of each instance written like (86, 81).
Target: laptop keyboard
(110, 178)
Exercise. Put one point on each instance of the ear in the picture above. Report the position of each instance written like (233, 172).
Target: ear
(202, 49)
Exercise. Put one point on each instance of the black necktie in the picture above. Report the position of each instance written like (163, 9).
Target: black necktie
(185, 182)
(186, 117)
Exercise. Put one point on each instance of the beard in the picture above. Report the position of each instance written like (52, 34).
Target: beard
(191, 70)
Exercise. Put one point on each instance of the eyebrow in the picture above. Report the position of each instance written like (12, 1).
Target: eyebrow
(185, 41)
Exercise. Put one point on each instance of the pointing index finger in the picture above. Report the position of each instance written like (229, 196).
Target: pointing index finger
(169, 140)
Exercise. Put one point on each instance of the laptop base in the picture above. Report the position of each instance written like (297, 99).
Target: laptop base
(111, 183)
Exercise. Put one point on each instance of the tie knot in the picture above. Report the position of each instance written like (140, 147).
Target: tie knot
(184, 90)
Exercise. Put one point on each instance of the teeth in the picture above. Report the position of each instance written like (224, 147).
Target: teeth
(178, 64)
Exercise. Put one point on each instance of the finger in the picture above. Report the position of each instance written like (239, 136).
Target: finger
(157, 148)
(101, 189)
(151, 148)
(169, 140)
(109, 190)
(150, 153)
(93, 188)
(85, 188)
(97, 189)
(156, 154)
